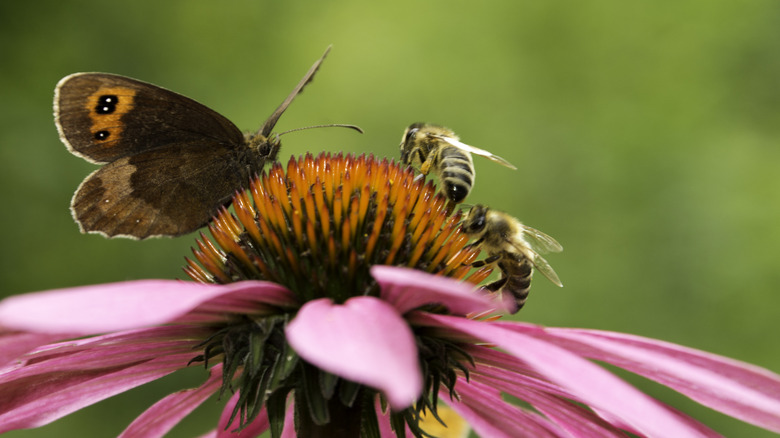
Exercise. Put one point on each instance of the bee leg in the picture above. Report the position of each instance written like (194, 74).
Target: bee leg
(513, 304)
(425, 167)
(476, 243)
(485, 262)
(451, 206)
(496, 285)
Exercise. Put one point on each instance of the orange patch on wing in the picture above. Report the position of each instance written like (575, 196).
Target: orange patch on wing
(110, 122)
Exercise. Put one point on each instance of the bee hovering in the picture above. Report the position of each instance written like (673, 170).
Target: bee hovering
(514, 247)
(431, 147)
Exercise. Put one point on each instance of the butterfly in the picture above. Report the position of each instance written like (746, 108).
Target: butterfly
(169, 162)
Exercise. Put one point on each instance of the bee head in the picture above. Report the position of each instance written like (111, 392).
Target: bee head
(476, 220)
(408, 142)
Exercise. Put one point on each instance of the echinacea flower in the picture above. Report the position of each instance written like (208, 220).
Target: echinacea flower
(347, 307)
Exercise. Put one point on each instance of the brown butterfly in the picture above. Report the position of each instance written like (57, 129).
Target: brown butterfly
(169, 162)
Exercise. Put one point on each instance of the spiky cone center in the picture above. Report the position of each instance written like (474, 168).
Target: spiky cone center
(316, 227)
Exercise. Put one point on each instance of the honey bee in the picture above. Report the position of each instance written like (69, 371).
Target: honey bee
(515, 249)
(431, 147)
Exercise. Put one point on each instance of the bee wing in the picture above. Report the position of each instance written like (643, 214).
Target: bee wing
(474, 150)
(535, 241)
(539, 241)
(542, 266)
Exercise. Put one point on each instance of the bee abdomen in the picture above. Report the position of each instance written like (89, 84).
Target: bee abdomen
(515, 278)
(457, 174)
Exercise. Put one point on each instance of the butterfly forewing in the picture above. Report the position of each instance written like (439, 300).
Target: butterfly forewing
(102, 117)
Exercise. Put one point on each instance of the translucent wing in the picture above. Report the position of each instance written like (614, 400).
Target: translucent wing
(542, 266)
(534, 240)
(474, 150)
(539, 241)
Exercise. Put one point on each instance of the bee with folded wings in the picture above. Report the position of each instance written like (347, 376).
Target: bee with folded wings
(435, 148)
(515, 249)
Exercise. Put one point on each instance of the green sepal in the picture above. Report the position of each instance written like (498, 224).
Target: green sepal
(348, 392)
(369, 425)
(276, 407)
(328, 384)
(316, 403)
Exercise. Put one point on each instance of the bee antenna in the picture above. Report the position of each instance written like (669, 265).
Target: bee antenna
(332, 125)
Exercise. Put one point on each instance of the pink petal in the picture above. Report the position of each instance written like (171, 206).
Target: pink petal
(116, 306)
(288, 430)
(499, 365)
(27, 405)
(113, 350)
(546, 398)
(364, 340)
(489, 415)
(407, 289)
(15, 344)
(383, 418)
(590, 383)
(58, 380)
(162, 416)
(224, 430)
(741, 390)
(499, 370)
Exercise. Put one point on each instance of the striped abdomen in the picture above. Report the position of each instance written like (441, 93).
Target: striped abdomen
(515, 278)
(456, 173)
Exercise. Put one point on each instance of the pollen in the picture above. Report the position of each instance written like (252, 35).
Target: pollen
(317, 225)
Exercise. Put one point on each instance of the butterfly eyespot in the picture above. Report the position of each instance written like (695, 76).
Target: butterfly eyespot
(102, 135)
(106, 104)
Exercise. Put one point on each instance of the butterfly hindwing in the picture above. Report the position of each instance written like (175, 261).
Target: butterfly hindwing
(164, 192)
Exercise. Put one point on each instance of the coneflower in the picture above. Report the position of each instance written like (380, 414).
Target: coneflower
(346, 305)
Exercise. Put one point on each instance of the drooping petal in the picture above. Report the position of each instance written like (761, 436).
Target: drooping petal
(546, 397)
(590, 383)
(740, 390)
(383, 420)
(25, 405)
(57, 380)
(14, 344)
(364, 340)
(162, 416)
(98, 352)
(113, 307)
(407, 289)
(501, 370)
(226, 430)
(489, 415)
(288, 431)
(499, 365)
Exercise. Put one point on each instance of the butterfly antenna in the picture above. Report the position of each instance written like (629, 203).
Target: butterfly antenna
(333, 125)
(269, 124)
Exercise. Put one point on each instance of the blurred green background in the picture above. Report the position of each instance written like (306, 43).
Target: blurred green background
(647, 136)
